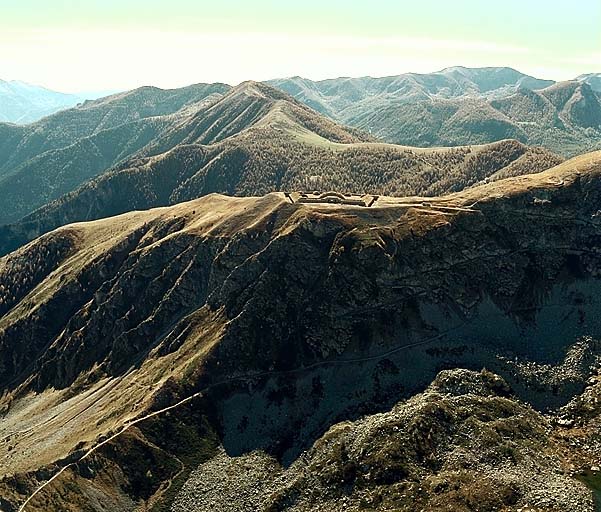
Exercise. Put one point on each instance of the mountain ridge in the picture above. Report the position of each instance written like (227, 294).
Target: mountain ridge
(251, 139)
(43, 161)
(323, 276)
(419, 110)
(246, 167)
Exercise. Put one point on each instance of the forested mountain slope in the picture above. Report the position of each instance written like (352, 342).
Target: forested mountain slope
(462, 106)
(41, 161)
(250, 141)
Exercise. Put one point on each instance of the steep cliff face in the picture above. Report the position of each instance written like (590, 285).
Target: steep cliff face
(280, 320)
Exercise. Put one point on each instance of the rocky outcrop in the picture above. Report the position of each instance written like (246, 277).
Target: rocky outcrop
(463, 444)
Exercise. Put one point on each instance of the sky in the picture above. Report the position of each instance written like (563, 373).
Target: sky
(101, 45)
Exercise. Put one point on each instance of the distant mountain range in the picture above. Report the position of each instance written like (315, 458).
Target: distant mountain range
(336, 97)
(152, 147)
(462, 106)
(455, 106)
(24, 103)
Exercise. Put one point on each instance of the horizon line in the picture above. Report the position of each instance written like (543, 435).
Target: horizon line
(117, 90)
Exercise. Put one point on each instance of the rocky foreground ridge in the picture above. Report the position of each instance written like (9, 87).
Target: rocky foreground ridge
(266, 335)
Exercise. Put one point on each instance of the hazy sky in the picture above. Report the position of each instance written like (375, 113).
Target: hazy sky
(82, 45)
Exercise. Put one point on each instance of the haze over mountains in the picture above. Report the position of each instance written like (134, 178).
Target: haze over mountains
(24, 103)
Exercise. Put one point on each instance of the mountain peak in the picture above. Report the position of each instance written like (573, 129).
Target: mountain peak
(260, 89)
(506, 70)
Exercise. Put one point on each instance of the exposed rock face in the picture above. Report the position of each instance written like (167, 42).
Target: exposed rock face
(464, 444)
(290, 318)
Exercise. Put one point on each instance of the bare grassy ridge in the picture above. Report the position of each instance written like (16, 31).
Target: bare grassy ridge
(280, 154)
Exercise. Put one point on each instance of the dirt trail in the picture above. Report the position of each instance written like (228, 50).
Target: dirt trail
(246, 377)
(199, 394)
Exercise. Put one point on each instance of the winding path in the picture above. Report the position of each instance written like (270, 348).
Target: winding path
(200, 393)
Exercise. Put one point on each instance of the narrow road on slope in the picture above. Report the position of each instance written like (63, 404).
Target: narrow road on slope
(198, 394)
(249, 377)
